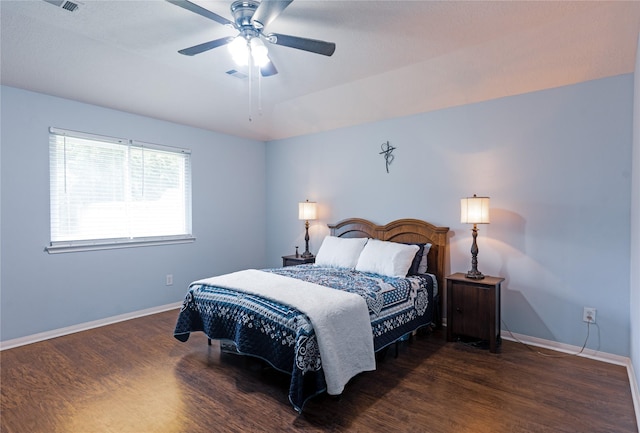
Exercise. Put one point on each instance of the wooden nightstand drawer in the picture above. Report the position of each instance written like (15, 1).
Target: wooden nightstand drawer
(299, 260)
(473, 308)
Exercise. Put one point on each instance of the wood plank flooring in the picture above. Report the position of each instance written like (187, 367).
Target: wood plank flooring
(135, 377)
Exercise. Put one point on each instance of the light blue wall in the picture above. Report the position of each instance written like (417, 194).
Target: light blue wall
(556, 164)
(42, 292)
(635, 228)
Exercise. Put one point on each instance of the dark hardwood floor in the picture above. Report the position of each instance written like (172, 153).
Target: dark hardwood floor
(135, 377)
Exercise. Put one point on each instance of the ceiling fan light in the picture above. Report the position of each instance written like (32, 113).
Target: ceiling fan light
(261, 60)
(259, 52)
(239, 50)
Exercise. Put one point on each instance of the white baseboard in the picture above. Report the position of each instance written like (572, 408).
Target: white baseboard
(565, 348)
(16, 342)
(587, 353)
(635, 391)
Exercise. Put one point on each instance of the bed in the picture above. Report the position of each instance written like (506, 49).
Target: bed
(293, 319)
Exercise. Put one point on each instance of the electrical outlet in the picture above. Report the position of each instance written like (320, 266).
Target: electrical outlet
(169, 280)
(589, 315)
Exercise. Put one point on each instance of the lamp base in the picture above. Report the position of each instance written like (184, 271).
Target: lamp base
(307, 254)
(474, 274)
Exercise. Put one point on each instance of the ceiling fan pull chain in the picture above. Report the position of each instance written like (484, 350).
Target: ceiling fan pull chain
(259, 91)
(250, 84)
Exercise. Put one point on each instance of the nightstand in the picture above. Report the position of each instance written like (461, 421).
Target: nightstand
(293, 260)
(473, 308)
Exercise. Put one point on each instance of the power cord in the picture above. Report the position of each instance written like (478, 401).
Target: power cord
(546, 355)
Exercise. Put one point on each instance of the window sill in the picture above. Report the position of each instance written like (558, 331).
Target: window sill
(115, 244)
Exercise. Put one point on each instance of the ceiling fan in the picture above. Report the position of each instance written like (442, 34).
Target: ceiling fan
(250, 19)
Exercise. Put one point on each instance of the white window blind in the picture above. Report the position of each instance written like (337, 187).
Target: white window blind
(110, 192)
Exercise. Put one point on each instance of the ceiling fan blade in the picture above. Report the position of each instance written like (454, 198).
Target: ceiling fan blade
(311, 45)
(192, 7)
(197, 49)
(269, 69)
(268, 11)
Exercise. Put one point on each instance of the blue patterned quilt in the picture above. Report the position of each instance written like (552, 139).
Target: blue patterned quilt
(284, 337)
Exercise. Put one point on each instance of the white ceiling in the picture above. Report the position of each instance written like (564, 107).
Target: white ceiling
(393, 58)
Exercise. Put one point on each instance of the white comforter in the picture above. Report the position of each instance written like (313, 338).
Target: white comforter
(340, 319)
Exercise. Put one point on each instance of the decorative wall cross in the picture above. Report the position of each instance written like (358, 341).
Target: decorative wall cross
(387, 150)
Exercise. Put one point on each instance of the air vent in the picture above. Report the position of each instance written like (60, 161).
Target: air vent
(64, 4)
(236, 74)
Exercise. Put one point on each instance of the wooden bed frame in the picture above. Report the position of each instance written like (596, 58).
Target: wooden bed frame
(405, 231)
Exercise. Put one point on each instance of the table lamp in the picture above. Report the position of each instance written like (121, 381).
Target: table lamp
(307, 211)
(474, 210)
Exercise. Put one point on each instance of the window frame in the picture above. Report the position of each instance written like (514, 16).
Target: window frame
(64, 246)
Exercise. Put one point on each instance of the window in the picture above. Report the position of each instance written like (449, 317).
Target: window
(111, 192)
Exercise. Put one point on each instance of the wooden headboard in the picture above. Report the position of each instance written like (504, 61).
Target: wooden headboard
(403, 230)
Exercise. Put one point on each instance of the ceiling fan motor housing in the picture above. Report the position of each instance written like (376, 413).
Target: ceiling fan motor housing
(243, 11)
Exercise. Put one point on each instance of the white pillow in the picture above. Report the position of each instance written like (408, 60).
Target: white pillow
(386, 258)
(340, 252)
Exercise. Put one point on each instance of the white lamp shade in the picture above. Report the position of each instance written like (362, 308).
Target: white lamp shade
(474, 210)
(239, 50)
(259, 52)
(307, 210)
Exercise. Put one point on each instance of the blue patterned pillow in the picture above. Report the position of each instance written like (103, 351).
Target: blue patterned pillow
(420, 264)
